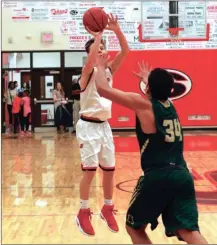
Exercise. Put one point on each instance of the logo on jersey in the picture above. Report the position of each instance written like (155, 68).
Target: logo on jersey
(130, 219)
(182, 86)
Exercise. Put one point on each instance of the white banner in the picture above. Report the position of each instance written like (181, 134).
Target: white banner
(21, 14)
(69, 27)
(59, 14)
(40, 14)
(212, 10)
(155, 20)
(10, 4)
(78, 42)
(194, 15)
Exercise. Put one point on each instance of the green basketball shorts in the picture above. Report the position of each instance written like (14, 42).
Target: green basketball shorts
(168, 192)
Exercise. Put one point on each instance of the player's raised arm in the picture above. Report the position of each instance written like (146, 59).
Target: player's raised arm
(130, 100)
(144, 72)
(91, 59)
(114, 26)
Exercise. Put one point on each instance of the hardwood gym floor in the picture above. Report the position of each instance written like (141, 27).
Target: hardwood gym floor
(40, 188)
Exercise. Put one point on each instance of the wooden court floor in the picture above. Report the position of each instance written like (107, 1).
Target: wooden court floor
(40, 189)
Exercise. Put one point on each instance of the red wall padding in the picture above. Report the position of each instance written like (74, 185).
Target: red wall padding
(199, 65)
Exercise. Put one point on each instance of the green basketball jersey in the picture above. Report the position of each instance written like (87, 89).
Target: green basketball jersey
(165, 147)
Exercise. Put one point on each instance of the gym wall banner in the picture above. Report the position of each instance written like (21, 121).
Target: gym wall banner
(68, 20)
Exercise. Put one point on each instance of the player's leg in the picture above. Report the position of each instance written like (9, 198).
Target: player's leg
(108, 184)
(191, 237)
(89, 149)
(181, 215)
(107, 164)
(137, 219)
(138, 236)
(83, 219)
(108, 211)
(150, 198)
(85, 185)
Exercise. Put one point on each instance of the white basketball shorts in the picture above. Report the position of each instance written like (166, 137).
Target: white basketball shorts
(96, 145)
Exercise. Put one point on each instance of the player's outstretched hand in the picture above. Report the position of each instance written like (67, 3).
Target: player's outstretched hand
(94, 34)
(113, 24)
(144, 72)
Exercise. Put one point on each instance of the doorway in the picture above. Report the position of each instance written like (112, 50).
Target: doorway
(25, 81)
(69, 76)
(42, 86)
(3, 101)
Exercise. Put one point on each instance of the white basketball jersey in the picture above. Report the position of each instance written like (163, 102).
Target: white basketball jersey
(92, 104)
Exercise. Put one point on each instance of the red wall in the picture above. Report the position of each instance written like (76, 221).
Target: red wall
(199, 65)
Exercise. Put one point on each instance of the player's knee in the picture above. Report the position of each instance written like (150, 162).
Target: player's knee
(185, 234)
(88, 176)
(109, 170)
(108, 174)
(131, 231)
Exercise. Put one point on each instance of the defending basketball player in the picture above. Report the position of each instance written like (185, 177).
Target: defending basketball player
(93, 131)
(167, 187)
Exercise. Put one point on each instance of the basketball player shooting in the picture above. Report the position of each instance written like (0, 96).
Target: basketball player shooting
(93, 131)
(167, 187)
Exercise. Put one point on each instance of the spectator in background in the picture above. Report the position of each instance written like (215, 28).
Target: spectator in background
(10, 94)
(62, 116)
(16, 110)
(16, 86)
(25, 86)
(76, 102)
(26, 113)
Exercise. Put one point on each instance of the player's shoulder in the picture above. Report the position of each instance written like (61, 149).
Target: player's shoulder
(86, 74)
(171, 102)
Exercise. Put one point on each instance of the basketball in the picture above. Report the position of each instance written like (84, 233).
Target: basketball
(95, 19)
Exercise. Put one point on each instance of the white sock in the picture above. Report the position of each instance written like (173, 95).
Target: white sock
(108, 202)
(84, 204)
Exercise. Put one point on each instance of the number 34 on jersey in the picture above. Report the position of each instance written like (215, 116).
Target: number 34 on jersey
(173, 130)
